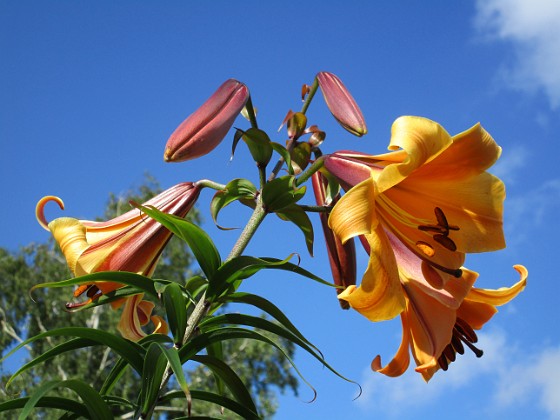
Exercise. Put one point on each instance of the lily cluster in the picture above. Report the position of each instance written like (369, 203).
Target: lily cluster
(417, 210)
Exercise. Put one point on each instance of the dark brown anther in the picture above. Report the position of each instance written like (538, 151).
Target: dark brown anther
(449, 353)
(92, 291)
(442, 362)
(466, 330)
(432, 228)
(457, 344)
(446, 242)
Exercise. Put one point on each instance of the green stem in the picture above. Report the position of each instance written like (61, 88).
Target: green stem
(210, 184)
(318, 164)
(251, 113)
(316, 209)
(309, 96)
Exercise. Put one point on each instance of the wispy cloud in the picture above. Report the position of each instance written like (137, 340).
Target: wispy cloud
(511, 161)
(530, 211)
(532, 28)
(501, 368)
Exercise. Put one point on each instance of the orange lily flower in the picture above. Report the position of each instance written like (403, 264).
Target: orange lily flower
(131, 242)
(431, 195)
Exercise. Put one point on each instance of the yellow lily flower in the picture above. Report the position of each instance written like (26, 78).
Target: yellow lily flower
(432, 194)
(131, 242)
(435, 332)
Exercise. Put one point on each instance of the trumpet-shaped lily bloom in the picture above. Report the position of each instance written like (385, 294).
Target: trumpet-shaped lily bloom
(431, 196)
(131, 242)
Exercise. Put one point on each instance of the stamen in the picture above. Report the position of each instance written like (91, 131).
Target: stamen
(477, 352)
(81, 289)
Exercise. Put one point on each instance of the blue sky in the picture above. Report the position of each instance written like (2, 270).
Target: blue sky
(92, 90)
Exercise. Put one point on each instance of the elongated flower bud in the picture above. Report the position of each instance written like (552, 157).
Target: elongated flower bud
(204, 129)
(342, 257)
(341, 104)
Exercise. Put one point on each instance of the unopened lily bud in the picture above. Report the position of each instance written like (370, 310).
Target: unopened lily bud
(341, 104)
(204, 129)
(342, 257)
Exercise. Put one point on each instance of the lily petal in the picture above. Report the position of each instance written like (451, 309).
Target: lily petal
(379, 296)
(354, 214)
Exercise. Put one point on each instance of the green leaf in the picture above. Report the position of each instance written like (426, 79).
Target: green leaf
(281, 192)
(220, 400)
(196, 285)
(282, 151)
(96, 407)
(258, 143)
(132, 352)
(172, 356)
(155, 364)
(236, 190)
(143, 283)
(229, 378)
(74, 344)
(47, 402)
(231, 273)
(119, 368)
(201, 341)
(269, 308)
(301, 155)
(299, 217)
(198, 240)
(296, 125)
(175, 304)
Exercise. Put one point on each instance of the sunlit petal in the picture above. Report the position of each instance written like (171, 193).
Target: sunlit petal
(354, 214)
(379, 297)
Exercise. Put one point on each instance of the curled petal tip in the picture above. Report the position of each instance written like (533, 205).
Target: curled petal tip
(40, 209)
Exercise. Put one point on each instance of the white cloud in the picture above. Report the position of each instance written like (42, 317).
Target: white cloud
(515, 378)
(530, 211)
(510, 162)
(532, 28)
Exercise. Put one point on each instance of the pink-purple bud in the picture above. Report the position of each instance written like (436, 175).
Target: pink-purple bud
(205, 128)
(342, 257)
(341, 104)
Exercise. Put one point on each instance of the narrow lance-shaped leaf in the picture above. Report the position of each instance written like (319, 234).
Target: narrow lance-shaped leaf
(221, 401)
(97, 408)
(229, 378)
(298, 216)
(176, 309)
(155, 364)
